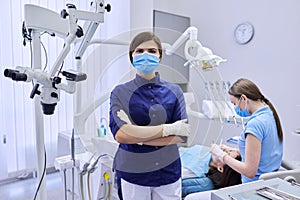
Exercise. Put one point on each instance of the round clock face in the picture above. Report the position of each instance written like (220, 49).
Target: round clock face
(244, 33)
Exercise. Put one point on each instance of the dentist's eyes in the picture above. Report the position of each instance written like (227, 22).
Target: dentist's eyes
(150, 50)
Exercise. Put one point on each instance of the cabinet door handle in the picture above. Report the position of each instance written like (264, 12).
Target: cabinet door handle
(4, 139)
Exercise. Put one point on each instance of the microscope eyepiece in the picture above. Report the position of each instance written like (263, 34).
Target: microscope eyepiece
(9, 72)
(16, 76)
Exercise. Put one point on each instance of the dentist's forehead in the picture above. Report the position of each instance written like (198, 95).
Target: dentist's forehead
(147, 44)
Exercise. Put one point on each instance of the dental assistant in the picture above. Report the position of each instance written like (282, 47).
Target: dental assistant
(148, 118)
(260, 143)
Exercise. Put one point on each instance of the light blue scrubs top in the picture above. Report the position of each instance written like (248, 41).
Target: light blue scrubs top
(262, 125)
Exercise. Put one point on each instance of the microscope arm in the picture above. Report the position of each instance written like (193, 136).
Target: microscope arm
(61, 57)
(76, 31)
(90, 26)
(56, 24)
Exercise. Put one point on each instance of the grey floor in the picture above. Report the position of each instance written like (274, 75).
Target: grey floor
(24, 189)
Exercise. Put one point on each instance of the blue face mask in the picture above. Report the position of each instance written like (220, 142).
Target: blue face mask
(145, 63)
(242, 113)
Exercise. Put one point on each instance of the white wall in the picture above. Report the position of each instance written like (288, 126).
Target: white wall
(271, 59)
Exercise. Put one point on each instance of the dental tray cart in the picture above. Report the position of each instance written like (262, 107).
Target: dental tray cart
(275, 188)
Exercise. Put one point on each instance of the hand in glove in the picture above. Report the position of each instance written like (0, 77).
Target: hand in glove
(218, 152)
(228, 149)
(180, 128)
(123, 116)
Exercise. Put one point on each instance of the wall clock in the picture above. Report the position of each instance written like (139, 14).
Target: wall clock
(244, 33)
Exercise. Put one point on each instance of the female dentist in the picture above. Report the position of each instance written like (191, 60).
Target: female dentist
(148, 118)
(260, 143)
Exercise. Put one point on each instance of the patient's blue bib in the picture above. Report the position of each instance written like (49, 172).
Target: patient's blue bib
(196, 158)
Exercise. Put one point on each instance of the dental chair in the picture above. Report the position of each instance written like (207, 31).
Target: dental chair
(290, 173)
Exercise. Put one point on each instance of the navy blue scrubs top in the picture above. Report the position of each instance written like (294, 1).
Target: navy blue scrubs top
(147, 102)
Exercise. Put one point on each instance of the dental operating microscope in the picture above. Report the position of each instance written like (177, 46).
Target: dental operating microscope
(47, 85)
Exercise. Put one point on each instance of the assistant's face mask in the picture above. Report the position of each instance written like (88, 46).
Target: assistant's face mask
(145, 63)
(242, 113)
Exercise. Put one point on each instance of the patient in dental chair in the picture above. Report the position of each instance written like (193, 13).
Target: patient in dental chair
(201, 171)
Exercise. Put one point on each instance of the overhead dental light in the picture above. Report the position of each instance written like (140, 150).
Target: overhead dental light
(194, 52)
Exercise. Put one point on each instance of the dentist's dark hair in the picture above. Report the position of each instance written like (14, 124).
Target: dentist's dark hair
(246, 87)
(144, 37)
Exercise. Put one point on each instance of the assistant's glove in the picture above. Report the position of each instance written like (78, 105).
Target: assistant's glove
(123, 116)
(228, 149)
(179, 128)
(218, 152)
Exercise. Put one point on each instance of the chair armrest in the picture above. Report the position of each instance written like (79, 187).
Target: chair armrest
(289, 165)
(288, 175)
